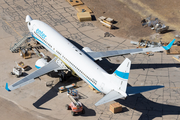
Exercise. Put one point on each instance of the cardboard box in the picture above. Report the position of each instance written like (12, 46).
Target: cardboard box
(84, 16)
(115, 107)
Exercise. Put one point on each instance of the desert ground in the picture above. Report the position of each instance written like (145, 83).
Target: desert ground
(129, 13)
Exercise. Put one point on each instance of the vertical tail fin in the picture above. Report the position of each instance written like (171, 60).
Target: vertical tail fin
(122, 72)
(119, 80)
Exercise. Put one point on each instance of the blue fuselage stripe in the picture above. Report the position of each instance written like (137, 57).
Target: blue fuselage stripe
(122, 74)
(41, 42)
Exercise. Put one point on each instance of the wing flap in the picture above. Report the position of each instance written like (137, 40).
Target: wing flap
(98, 55)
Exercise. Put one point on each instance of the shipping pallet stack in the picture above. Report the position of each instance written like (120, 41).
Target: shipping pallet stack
(96, 91)
(83, 11)
(108, 22)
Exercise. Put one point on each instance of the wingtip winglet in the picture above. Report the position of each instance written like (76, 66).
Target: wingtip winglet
(169, 45)
(7, 87)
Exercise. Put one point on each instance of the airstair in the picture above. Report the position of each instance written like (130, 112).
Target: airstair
(19, 44)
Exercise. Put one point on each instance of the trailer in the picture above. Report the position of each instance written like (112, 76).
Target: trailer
(17, 71)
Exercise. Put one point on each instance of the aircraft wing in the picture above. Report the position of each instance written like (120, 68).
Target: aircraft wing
(52, 65)
(99, 55)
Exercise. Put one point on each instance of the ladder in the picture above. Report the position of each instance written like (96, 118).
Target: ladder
(18, 44)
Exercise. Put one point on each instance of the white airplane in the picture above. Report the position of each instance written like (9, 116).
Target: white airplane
(81, 63)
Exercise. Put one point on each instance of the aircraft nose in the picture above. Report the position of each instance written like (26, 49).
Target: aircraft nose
(28, 18)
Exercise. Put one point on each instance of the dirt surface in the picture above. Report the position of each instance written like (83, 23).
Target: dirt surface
(12, 111)
(129, 13)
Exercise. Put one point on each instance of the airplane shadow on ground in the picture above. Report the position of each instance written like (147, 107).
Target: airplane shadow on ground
(138, 102)
(53, 92)
(110, 67)
(148, 108)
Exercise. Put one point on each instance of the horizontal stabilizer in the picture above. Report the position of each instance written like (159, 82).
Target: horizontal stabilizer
(139, 89)
(113, 95)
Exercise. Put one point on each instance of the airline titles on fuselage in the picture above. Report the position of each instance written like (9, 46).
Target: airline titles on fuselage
(41, 35)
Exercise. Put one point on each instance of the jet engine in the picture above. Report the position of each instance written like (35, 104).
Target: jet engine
(40, 63)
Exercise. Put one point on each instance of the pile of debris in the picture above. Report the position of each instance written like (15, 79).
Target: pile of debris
(154, 24)
(143, 43)
(107, 34)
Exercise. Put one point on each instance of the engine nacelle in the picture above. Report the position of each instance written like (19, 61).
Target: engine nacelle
(40, 63)
(87, 49)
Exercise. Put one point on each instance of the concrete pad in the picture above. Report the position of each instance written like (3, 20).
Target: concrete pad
(159, 69)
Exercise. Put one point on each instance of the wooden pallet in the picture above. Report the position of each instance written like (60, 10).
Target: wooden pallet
(25, 55)
(81, 7)
(75, 2)
(96, 91)
(106, 24)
